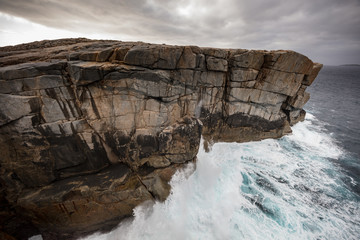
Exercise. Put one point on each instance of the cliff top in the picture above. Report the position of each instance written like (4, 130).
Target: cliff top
(77, 48)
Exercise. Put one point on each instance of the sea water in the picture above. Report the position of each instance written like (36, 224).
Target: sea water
(335, 101)
(302, 186)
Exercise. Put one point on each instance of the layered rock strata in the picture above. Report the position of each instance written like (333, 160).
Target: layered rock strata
(91, 129)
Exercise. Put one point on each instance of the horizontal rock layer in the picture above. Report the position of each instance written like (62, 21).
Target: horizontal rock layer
(91, 129)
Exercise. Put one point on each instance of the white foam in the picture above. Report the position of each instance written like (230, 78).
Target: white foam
(314, 138)
(36, 237)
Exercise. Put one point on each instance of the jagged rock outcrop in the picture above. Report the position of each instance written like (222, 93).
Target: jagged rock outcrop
(90, 129)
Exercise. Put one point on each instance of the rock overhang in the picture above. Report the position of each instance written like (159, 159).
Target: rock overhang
(76, 109)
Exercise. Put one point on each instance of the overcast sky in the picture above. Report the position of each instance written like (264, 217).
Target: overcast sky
(327, 31)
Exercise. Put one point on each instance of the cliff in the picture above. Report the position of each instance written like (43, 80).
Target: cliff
(91, 129)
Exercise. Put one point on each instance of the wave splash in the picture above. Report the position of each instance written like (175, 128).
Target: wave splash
(273, 189)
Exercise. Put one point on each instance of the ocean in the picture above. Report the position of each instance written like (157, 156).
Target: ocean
(302, 186)
(335, 101)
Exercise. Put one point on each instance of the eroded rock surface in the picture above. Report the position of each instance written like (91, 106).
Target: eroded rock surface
(90, 129)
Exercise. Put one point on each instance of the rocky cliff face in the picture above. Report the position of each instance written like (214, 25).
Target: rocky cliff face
(91, 129)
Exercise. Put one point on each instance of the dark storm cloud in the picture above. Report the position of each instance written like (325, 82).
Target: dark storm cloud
(325, 30)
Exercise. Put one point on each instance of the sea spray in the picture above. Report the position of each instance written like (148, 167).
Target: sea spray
(273, 189)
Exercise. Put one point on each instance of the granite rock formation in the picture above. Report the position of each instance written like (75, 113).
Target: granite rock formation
(91, 129)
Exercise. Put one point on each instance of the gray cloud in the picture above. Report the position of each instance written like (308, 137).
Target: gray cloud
(325, 30)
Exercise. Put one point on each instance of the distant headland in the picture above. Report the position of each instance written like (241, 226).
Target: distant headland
(350, 65)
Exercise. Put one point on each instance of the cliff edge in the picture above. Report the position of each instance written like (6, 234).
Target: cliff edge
(90, 129)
